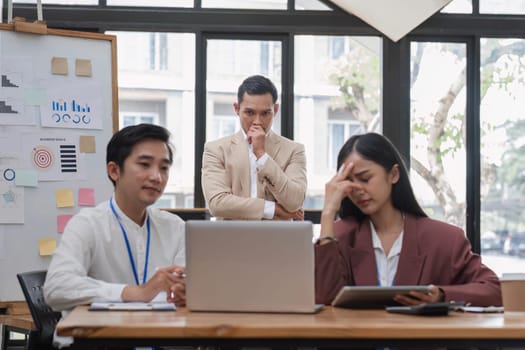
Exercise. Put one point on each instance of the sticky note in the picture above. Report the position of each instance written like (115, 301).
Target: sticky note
(35, 96)
(26, 177)
(59, 65)
(83, 68)
(62, 220)
(64, 198)
(86, 197)
(87, 144)
(47, 246)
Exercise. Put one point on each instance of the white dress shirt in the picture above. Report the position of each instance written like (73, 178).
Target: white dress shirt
(92, 261)
(255, 165)
(386, 265)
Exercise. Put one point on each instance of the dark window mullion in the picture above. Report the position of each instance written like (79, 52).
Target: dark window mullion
(396, 94)
(287, 93)
(200, 115)
(473, 201)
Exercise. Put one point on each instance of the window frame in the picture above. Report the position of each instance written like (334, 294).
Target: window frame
(205, 23)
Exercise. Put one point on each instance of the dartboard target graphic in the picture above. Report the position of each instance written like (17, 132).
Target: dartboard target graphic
(43, 158)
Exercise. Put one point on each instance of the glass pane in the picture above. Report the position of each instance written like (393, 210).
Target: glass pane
(246, 4)
(311, 5)
(502, 121)
(437, 119)
(337, 94)
(58, 2)
(156, 76)
(229, 63)
(512, 7)
(151, 3)
(458, 6)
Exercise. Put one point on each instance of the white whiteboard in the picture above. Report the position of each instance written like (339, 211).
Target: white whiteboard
(56, 90)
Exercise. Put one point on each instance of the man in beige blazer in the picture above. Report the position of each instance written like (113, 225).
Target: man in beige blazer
(255, 174)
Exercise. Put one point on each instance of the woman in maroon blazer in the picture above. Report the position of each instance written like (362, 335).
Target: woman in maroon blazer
(383, 237)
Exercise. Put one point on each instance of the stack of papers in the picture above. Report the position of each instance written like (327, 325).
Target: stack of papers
(489, 309)
(134, 306)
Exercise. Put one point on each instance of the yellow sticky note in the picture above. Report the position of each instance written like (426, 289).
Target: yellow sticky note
(59, 65)
(64, 198)
(83, 68)
(87, 144)
(47, 246)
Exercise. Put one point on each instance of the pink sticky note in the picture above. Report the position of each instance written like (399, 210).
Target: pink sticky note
(86, 197)
(62, 221)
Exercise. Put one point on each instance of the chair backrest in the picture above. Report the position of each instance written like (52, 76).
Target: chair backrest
(44, 317)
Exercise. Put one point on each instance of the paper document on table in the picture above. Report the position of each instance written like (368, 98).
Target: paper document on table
(480, 309)
(132, 306)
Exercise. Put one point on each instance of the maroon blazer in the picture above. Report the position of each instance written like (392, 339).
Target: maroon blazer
(433, 252)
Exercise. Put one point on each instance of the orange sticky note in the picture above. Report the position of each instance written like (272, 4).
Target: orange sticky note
(59, 65)
(87, 144)
(62, 221)
(83, 67)
(86, 197)
(47, 246)
(64, 198)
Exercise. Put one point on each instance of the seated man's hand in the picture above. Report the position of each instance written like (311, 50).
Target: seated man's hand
(282, 214)
(167, 279)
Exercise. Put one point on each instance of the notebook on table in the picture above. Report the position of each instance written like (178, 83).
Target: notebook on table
(131, 306)
(250, 266)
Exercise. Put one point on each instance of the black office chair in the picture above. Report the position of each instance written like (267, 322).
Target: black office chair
(45, 319)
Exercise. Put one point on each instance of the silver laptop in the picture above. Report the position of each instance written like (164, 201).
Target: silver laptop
(250, 266)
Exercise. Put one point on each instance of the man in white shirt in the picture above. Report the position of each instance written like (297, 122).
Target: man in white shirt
(123, 250)
(255, 174)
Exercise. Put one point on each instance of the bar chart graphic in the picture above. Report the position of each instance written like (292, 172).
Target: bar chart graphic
(6, 108)
(70, 112)
(59, 106)
(7, 83)
(75, 107)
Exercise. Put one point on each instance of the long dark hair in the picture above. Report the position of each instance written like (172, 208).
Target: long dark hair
(378, 149)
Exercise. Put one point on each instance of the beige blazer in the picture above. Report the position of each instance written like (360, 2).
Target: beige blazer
(226, 176)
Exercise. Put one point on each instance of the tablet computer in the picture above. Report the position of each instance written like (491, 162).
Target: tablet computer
(372, 297)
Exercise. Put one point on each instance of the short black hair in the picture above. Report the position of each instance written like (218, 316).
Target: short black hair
(121, 144)
(378, 149)
(256, 85)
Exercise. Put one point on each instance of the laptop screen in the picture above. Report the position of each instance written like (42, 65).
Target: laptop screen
(262, 266)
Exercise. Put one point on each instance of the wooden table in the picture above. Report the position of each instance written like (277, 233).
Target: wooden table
(22, 324)
(15, 317)
(332, 327)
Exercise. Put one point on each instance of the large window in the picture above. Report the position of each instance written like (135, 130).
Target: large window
(502, 123)
(229, 63)
(337, 93)
(448, 94)
(502, 6)
(156, 85)
(437, 114)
